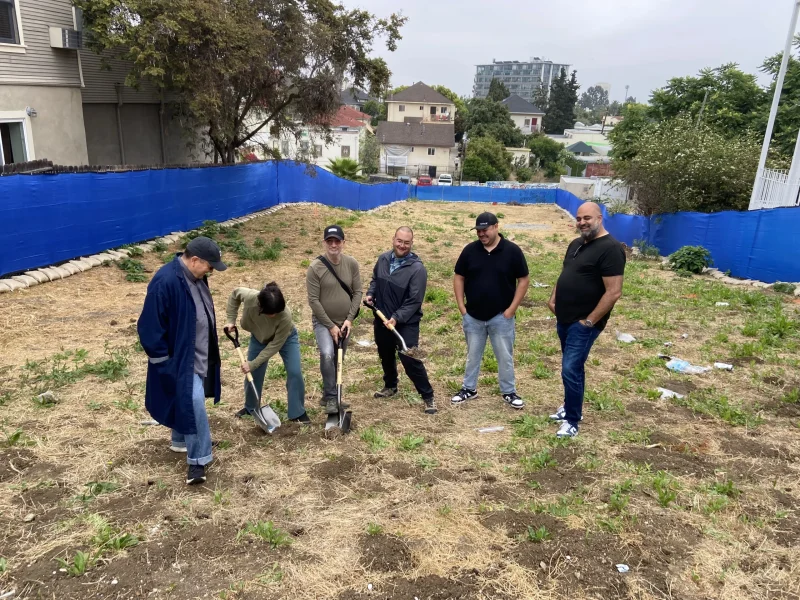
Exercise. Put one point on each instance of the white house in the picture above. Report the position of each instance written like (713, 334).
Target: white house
(526, 116)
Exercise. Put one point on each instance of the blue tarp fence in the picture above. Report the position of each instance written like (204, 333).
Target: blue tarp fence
(49, 219)
(759, 244)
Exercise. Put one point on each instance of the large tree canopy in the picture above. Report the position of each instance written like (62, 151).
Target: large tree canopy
(487, 118)
(561, 104)
(486, 160)
(236, 67)
(497, 90)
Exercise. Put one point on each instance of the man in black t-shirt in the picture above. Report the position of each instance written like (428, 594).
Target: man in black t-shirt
(493, 274)
(589, 286)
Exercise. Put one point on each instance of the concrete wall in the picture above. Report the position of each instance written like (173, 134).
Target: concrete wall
(57, 130)
(141, 136)
(415, 109)
(443, 160)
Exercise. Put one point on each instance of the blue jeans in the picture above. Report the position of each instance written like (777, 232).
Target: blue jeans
(295, 387)
(576, 342)
(198, 445)
(501, 333)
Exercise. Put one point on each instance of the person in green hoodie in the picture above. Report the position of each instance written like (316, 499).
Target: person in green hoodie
(271, 331)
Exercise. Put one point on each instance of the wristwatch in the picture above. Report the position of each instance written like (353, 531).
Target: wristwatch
(588, 322)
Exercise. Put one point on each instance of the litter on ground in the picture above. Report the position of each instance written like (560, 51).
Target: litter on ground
(684, 366)
(626, 338)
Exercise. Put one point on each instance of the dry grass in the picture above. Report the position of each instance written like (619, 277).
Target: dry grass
(646, 483)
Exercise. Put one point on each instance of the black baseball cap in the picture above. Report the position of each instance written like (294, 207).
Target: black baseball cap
(207, 249)
(485, 220)
(333, 231)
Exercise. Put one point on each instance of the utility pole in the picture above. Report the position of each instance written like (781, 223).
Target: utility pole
(702, 108)
(776, 98)
(625, 100)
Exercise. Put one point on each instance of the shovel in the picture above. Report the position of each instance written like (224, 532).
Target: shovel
(382, 317)
(264, 416)
(343, 418)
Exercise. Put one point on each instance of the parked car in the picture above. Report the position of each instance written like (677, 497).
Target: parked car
(424, 180)
(404, 179)
(445, 179)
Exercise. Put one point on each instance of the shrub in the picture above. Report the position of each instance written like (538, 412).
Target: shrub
(690, 258)
(784, 288)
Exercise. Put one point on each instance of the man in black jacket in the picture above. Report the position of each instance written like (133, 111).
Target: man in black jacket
(398, 289)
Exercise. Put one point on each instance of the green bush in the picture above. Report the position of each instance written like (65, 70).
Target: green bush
(646, 250)
(784, 288)
(690, 258)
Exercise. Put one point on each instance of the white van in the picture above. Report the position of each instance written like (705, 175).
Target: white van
(445, 179)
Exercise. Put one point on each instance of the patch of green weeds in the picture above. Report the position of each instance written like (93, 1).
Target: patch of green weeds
(374, 438)
(445, 510)
(410, 442)
(726, 488)
(601, 401)
(17, 438)
(134, 270)
(3, 565)
(538, 461)
(159, 246)
(437, 296)
(97, 488)
(710, 402)
(266, 532)
(630, 437)
(426, 463)
(540, 371)
(792, 396)
(537, 535)
(374, 529)
(77, 565)
(666, 487)
(527, 426)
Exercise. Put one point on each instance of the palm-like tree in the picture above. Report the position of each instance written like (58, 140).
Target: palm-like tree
(346, 168)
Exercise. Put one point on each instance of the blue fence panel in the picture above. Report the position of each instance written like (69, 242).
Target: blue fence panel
(468, 193)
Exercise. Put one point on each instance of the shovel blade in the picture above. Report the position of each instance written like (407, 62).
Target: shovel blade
(331, 422)
(344, 422)
(266, 419)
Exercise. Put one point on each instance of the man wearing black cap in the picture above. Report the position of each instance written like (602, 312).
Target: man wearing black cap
(333, 283)
(177, 330)
(493, 274)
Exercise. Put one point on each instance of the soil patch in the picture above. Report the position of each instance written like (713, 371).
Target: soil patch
(662, 459)
(335, 468)
(783, 409)
(401, 470)
(466, 586)
(21, 461)
(735, 444)
(385, 553)
(500, 493)
(437, 476)
(745, 361)
(679, 386)
(517, 523)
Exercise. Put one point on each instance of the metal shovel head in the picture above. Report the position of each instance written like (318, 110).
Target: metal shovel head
(260, 416)
(344, 421)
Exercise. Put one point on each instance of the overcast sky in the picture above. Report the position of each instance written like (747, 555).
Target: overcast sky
(640, 43)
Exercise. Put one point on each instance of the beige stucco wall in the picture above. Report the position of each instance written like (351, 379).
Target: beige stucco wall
(57, 130)
(519, 121)
(443, 159)
(413, 110)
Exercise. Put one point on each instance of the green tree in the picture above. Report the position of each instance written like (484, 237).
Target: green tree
(369, 154)
(377, 110)
(593, 98)
(563, 99)
(615, 109)
(625, 136)
(678, 166)
(236, 67)
(489, 118)
(486, 160)
(548, 152)
(734, 98)
(346, 168)
(497, 91)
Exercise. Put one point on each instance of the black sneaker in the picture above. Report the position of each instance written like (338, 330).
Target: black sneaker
(430, 406)
(386, 392)
(196, 474)
(463, 395)
(242, 413)
(331, 407)
(514, 401)
(302, 419)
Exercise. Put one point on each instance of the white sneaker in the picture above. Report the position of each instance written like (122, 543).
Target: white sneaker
(178, 449)
(560, 415)
(567, 431)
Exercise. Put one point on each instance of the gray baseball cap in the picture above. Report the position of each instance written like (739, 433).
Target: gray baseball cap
(207, 249)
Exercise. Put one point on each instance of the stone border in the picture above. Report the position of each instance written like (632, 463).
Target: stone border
(84, 263)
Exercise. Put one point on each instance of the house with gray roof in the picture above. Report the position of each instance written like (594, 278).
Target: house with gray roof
(526, 116)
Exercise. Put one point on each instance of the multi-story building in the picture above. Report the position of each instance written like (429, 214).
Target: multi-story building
(419, 136)
(521, 78)
(59, 102)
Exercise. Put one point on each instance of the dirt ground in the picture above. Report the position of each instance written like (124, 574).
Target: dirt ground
(696, 496)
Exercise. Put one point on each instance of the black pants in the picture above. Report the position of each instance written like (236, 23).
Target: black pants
(387, 351)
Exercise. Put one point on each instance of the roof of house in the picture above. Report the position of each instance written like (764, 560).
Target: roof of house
(416, 134)
(581, 147)
(419, 92)
(519, 105)
(354, 114)
(348, 117)
(353, 96)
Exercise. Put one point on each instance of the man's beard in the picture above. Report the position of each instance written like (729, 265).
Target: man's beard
(591, 233)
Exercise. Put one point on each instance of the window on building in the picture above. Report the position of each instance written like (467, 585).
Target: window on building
(343, 128)
(13, 147)
(345, 151)
(433, 110)
(304, 146)
(402, 108)
(285, 148)
(9, 28)
(317, 151)
(527, 122)
(431, 151)
(534, 121)
(443, 110)
(422, 108)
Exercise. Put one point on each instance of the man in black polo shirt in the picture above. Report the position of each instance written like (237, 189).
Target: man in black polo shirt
(493, 275)
(589, 286)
